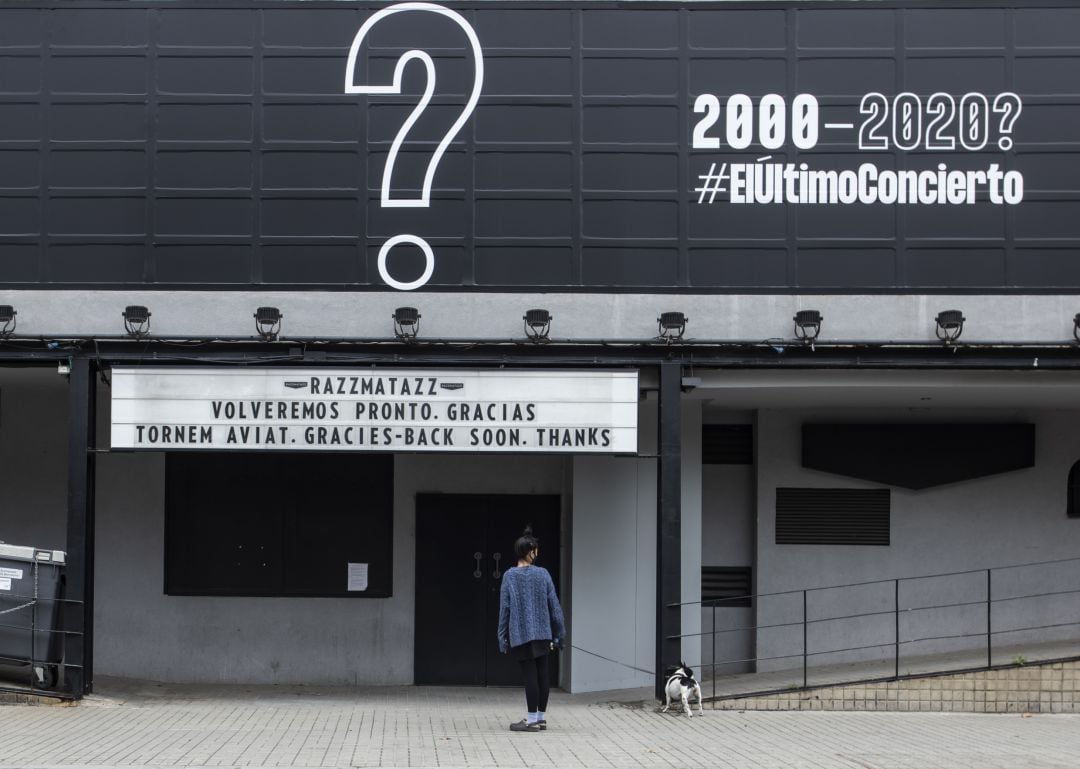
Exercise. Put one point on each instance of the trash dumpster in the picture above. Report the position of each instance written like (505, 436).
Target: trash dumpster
(31, 584)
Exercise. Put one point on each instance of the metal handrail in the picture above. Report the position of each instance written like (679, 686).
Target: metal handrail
(898, 642)
(886, 580)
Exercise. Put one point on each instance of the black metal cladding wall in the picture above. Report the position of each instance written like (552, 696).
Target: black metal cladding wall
(212, 144)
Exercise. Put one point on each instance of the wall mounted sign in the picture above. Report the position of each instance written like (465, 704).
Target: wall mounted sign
(519, 146)
(193, 408)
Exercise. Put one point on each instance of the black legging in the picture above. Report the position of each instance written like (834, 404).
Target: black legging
(537, 683)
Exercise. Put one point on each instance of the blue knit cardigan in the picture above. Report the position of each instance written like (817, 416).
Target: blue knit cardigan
(529, 610)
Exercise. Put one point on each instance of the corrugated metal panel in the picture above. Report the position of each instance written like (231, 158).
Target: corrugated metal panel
(832, 516)
(727, 444)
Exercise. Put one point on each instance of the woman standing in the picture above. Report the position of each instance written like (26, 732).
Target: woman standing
(530, 625)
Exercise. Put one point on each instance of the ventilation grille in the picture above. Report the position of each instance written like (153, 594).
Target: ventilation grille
(832, 516)
(726, 586)
(727, 444)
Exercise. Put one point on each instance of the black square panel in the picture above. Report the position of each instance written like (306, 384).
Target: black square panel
(97, 263)
(204, 263)
(19, 262)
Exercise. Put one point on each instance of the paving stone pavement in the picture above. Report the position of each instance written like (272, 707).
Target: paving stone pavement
(133, 724)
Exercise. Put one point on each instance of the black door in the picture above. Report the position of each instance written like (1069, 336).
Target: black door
(464, 542)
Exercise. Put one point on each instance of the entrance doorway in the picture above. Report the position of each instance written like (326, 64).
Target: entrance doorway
(464, 543)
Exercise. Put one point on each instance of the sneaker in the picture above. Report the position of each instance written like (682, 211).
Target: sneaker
(523, 726)
(542, 725)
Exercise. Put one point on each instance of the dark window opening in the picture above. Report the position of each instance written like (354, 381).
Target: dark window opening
(279, 524)
(1073, 506)
(727, 444)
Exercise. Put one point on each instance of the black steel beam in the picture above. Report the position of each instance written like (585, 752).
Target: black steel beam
(79, 617)
(668, 522)
(359, 352)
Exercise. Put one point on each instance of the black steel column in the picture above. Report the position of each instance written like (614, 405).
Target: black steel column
(82, 392)
(668, 522)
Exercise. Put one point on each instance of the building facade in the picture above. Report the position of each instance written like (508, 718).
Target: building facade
(809, 273)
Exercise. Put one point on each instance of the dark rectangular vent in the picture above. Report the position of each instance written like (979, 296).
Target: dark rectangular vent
(832, 516)
(727, 444)
(726, 586)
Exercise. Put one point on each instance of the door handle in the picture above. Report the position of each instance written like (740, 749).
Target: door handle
(478, 574)
(496, 574)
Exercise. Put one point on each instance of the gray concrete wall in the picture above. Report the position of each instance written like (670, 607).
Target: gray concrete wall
(614, 560)
(614, 568)
(143, 633)
(727, 539)
(212, 314)
(1012, 518)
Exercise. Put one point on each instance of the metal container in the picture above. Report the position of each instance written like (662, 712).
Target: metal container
(31, 584)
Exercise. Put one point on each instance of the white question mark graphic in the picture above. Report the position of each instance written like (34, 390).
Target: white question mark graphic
(424, 201)
(1009, 105)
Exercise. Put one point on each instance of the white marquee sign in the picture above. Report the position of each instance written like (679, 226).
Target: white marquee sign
(173, 409)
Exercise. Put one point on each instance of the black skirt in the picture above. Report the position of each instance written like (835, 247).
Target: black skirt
(531, 650)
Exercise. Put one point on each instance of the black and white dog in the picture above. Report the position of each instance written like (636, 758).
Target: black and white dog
(680, 685)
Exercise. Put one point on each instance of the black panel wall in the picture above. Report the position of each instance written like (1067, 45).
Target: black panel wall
(278, 524)
(212, 144)
(918, 456)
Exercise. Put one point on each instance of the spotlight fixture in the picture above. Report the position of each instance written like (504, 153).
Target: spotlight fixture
(406, 323)
(807, 325)
(950, 325)
(1076, 324)
(136, 320)
(268, 322)
(537, 325)
(671, 326)
(7, 320)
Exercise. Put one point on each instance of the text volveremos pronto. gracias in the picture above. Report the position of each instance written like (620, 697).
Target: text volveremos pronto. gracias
(375, 411)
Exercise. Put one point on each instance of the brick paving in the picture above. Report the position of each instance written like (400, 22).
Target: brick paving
(133, 724)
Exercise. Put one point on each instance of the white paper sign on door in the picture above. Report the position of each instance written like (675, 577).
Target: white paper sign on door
(358, 577)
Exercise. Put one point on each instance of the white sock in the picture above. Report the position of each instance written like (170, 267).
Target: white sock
(532, 718)
(540, 715)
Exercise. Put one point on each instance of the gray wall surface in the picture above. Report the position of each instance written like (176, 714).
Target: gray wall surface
(140, 632)
(215, 314)
(614, 560)
(609, 551)
(1000, 520)
(614, 568)
(727, 539)
(143, 633)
